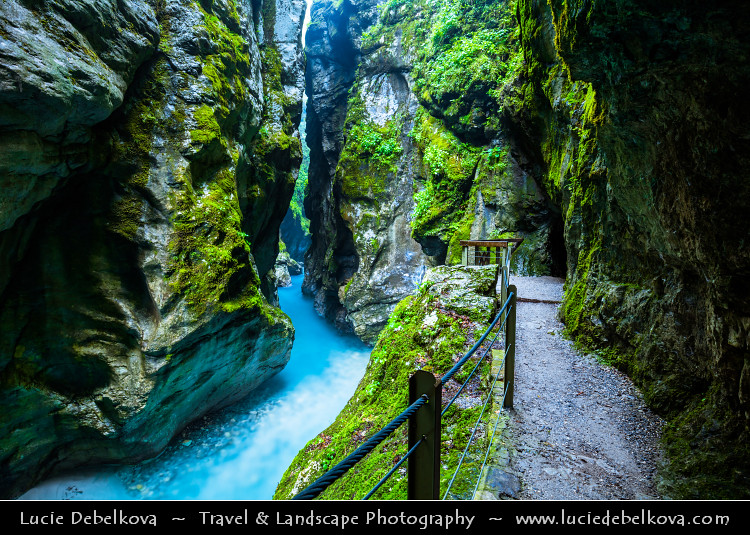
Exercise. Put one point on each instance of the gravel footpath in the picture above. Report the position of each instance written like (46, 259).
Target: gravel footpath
(579, 430)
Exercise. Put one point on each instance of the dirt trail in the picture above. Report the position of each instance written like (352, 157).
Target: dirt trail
(579, 430)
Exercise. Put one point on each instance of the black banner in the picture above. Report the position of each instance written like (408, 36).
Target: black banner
(373, 516)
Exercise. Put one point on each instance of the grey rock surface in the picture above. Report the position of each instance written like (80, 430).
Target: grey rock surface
(148, 151)
(375, 139)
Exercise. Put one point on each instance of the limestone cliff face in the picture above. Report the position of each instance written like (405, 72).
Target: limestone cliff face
(148, 151)
(642, 137)
(408, 153)
(612, 135)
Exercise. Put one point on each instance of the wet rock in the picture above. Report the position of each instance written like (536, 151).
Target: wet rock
(458, 302)
(502, 484)
(140, 143)
(649, 177)
(381, 149)
(285, 267)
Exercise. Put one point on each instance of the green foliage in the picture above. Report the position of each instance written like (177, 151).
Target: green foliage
(370, 153)
(473, 54)
(471, 60)
(297, 204)
(404, 346)
(464, 54)
(424, 200)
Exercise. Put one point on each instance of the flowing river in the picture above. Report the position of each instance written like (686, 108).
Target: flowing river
(240, 453)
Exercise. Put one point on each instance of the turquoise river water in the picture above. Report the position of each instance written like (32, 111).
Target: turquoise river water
(240, 453)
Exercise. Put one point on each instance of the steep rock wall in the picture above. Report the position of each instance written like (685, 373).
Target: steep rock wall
(614, 129)
(409, 155)
(634, 111)
(148, 154)
(429, 330)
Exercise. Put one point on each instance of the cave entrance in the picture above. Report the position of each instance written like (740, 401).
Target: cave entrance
(556, 247)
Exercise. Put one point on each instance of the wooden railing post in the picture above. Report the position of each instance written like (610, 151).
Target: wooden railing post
(510, 349)
(504, 280)
(423, 472)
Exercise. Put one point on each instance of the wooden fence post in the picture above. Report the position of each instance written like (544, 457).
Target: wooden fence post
(510, 349)
(423, 472)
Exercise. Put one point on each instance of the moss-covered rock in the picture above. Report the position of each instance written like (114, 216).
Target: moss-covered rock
(429, 330)
(637, 145)
(411, 157)
(608, 134)
(132, 282)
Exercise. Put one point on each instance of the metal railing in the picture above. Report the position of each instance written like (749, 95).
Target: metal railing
(485, 252)
(424, 415)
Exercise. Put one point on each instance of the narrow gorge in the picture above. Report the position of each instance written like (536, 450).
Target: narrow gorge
(157, 190)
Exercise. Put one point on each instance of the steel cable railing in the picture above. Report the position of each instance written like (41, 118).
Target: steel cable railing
(479, 361)
(476, 346)
(489, 397)
(494, 430)
(324, 481)
(392, 470)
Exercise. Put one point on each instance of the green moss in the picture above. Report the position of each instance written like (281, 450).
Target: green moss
(370, 152)
(464, 53)
(348, 285)
(574, 311)
(593, 111)
(694, 439)
(404, 346)
(227, 65)
(142, 119)
(461, 231)
(210, 262)
(125, 216)
(449, 166)
(208, 129)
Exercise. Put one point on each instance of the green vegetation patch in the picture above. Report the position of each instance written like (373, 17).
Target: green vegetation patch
(424, 332)
(464, 52)
(370, 152)
(210, 262)
(449, 165)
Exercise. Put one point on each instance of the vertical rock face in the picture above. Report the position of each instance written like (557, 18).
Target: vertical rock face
(614, 128)
(295, 228)
(408, 153)
(643, 140)
(148, 151)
